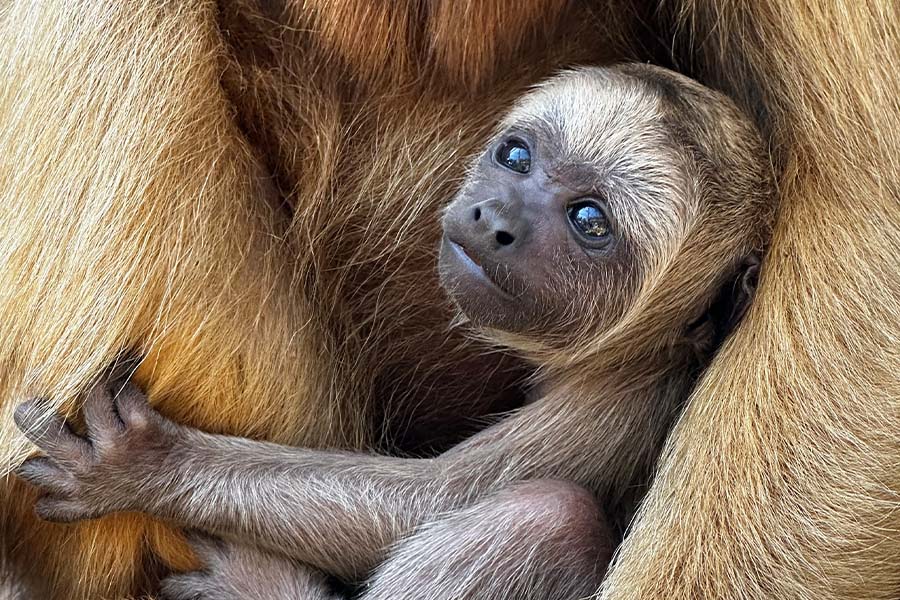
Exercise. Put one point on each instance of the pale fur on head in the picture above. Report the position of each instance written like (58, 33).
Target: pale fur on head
(689, 183)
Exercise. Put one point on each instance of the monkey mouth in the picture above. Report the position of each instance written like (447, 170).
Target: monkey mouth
(469, 262)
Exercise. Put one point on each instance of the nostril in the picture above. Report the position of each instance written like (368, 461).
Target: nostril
(476, 213)
(505, 238)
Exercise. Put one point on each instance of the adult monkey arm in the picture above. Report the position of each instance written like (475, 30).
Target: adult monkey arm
(795, 423)
(141, 144)
(122, 170)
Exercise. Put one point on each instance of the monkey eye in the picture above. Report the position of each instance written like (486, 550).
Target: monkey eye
(514, 155)
(588, 219)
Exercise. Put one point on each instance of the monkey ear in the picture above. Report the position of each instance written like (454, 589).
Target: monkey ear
(735, 297)
(728, 307)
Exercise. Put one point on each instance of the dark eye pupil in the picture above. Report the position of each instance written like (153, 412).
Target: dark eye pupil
(514, 156)
(589, 219)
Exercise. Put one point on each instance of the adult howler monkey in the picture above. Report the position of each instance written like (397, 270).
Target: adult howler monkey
(235, 189)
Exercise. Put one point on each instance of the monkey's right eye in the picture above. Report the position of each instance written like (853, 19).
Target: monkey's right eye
(515, 156)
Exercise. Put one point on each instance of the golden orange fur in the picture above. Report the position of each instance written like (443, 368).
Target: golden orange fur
(249, 198)
(782, 479)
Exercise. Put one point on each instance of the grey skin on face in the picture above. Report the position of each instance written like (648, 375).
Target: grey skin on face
(607, 233)
(525, 226)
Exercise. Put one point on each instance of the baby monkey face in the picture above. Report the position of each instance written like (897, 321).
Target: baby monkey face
(557, 222)
(524, 250)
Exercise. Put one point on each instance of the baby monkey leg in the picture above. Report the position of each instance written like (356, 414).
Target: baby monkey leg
(541, 540)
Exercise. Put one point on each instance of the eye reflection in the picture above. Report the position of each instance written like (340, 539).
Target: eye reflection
(589, 219)
(515, 156)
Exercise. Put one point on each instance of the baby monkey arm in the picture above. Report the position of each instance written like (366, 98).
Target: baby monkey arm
(338, 511)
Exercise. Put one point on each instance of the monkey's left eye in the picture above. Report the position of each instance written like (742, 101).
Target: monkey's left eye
(588, 219)
(515, 156)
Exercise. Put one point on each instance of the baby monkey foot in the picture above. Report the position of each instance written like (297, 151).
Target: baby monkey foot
(238, 572)
(85, 477)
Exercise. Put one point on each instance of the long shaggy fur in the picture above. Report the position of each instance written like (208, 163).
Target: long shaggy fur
(247, 197)
(782, 478)
(251, 205)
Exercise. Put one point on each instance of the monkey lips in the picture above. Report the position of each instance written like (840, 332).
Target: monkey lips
(456, 257)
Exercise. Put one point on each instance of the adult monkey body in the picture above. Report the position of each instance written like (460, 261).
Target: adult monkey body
(611, 235)
(120, 147)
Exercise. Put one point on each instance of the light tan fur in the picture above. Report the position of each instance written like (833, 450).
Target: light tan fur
(782, 479)
(142, 208)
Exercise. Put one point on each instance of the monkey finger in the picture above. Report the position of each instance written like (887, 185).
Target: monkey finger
(42, 473)
(133, 407)
(50, 432)
(32, 416)
(100, 413)
(62, 510)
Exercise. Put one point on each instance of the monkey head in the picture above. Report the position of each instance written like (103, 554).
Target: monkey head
(608, 194)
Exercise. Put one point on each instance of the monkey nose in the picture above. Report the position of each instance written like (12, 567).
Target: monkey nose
(498, 223)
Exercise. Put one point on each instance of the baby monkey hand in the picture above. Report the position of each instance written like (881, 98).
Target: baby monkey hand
(85, 477)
